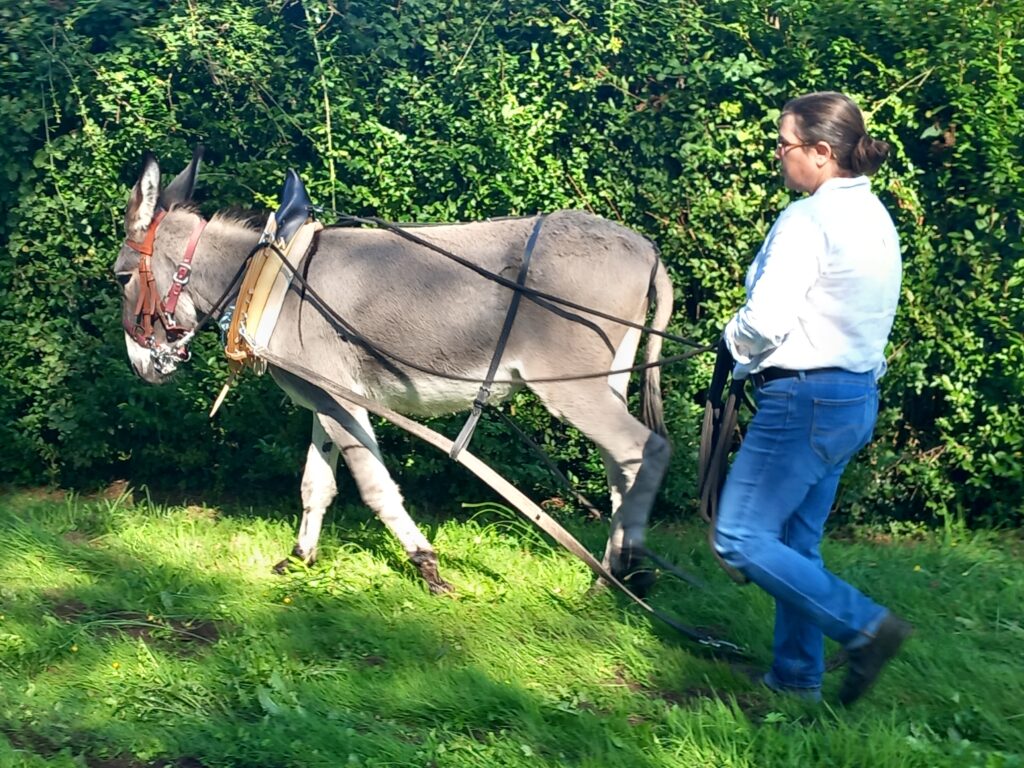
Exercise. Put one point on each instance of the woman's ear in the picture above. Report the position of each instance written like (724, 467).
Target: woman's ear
(822, 153)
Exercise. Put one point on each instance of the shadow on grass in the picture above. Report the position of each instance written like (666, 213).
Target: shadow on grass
(140, 661)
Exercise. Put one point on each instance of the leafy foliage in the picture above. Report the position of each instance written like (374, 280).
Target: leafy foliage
(658, 114)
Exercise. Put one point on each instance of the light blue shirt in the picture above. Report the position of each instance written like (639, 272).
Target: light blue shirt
(822, 290)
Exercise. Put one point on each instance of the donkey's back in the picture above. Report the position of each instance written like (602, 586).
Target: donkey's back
(416, 305)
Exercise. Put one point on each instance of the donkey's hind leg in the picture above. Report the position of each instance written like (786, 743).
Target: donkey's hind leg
(635, 458)
(350, 429)
(319, 487)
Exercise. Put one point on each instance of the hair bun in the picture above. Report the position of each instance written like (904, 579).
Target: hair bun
(868, 155)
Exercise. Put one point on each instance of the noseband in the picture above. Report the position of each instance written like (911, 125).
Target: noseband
(150, 309)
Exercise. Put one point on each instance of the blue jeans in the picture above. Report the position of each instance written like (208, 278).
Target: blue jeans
(773, 508)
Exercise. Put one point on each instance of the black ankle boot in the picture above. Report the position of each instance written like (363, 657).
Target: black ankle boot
(866, 661)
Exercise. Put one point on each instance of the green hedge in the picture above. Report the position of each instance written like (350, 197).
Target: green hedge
(658, 114)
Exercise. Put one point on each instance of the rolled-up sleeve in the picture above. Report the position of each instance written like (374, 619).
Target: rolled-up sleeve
(784, 271)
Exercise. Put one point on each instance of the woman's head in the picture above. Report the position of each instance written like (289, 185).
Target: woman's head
(836, 120)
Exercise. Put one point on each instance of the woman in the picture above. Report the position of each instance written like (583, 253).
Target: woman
(821, 296)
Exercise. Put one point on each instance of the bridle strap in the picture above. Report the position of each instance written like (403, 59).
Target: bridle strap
(184, 268)
(149, 305)
(146, 246)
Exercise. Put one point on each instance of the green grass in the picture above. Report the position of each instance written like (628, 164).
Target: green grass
(140, 635)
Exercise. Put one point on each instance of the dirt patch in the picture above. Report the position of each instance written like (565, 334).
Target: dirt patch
(114, 762)
(753, 704)
(79, 539)
(117, 490)
(622, 678)
(36, 494)
(131, 762)
(42, 746)
(679, 698)
(181, 636)
(588, 706)
(201, 512)
(69, 610)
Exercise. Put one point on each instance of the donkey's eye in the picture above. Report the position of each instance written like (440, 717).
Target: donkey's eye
(124, 278)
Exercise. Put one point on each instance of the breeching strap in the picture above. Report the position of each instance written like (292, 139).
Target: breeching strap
(511, 494)
(485, 389)
(717, 434)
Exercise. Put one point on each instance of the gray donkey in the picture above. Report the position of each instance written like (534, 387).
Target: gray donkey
(418, 306)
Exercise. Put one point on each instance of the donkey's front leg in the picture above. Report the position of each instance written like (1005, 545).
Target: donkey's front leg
(350, 429)
(319, 487)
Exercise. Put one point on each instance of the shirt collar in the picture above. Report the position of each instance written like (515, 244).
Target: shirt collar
(844, 182)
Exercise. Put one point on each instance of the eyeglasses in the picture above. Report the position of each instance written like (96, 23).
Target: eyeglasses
(782, 146)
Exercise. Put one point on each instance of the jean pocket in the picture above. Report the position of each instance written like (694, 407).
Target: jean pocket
(777, 389)
(840, 428)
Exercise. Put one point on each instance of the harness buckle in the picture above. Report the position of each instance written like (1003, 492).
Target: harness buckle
(181, 277)
(482, 397)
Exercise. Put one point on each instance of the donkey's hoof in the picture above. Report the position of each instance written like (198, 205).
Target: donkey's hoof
(640, 581)
(426, 563)
(632, 570)
(295, 561)
(439, 586)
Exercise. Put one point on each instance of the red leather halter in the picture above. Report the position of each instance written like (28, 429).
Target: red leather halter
(149, 307)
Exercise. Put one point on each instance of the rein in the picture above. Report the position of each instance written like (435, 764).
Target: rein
(540, 297)
(719, 431)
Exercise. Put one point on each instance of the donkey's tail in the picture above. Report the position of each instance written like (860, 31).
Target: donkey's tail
(660, 294)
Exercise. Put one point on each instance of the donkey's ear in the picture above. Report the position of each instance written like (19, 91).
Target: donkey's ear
(144, 199)
(180, 190)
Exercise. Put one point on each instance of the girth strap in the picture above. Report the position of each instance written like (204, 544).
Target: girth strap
(485, 389)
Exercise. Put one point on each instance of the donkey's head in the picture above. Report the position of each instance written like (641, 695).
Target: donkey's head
(153, 268)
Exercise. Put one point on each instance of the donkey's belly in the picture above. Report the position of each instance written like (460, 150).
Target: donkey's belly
(429, 396)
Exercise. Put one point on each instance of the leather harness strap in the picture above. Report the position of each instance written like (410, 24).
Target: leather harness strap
(485, 389)
(184, 272)
(146, 246)
(717, 434)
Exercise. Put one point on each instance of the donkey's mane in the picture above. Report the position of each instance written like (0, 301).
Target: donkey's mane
(248, 218)
(233, 215)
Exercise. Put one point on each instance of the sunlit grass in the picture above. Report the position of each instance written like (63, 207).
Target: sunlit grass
(140, 635)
